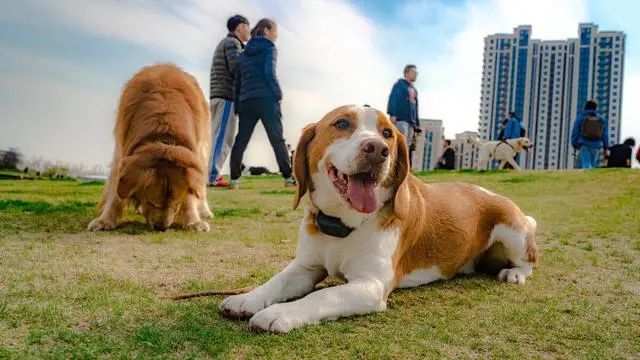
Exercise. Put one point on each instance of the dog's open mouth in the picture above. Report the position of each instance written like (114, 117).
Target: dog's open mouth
(357, 189)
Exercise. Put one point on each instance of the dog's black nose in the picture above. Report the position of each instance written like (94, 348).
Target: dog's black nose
(375, 151)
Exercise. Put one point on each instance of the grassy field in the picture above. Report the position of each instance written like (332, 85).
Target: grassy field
(65, 292)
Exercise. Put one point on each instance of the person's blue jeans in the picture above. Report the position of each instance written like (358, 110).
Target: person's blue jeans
(406, 130)
(589, 157)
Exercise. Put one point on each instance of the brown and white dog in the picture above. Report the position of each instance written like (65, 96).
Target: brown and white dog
(504, 151)
(159, 165)
(373, 224)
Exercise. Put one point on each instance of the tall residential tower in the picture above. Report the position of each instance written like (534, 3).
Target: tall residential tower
(546, 83)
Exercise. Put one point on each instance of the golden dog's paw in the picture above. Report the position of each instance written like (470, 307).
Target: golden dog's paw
(101, 225)
(206, 213)
(198, 226)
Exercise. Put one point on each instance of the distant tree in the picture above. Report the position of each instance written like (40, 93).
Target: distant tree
(10, 160)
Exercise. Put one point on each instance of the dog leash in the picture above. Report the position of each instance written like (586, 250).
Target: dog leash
(209, 293)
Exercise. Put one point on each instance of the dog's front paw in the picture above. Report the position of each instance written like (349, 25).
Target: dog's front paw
(242, 306)
(206, 213)
(99, 224)
(278, 318)
(513, 275)
(198, 226)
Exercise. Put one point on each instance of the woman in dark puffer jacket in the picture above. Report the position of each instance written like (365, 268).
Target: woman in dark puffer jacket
(258, 96)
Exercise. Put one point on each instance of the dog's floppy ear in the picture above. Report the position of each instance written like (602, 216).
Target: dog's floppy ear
(301, 163)
(193, 171)
(400, 175)
(195, 181)
(129, 176)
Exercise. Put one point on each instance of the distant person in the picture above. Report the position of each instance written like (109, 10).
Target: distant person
(448, 159)
(403, 104)
(638, 155)
(258, 96)
(503, 125)
(589, 136)
(292, 152)
(620, 154)
(512, 128)
(223, 117)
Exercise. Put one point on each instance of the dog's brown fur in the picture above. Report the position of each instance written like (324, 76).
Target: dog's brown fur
(443, 224)
(162, 137)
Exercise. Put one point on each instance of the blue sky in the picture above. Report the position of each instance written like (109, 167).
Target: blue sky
(64, 62)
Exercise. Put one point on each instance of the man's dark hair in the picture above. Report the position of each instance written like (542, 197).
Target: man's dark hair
(591, 105)
(630, 142)
(409, 67)
(448, 142)
(236, 20)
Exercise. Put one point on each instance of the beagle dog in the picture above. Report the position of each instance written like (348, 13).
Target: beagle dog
(376, 226)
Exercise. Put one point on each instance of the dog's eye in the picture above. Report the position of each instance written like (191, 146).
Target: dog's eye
(387, 133)
(342, 124)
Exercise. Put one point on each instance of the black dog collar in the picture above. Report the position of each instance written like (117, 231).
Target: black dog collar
(332, 226)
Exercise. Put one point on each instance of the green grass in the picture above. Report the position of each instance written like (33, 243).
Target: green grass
(67, 293)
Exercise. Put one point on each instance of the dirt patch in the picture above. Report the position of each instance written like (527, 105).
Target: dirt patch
(166, 267)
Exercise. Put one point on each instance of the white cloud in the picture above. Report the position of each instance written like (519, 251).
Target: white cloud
(452, 74)
(330, 54)
(321, 65)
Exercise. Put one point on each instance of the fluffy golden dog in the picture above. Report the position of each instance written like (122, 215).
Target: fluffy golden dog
(162, 137)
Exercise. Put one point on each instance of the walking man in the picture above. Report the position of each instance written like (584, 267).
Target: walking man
(223, 118)
(403, 104)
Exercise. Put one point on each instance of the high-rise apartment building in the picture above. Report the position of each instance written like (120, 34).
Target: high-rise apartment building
(546, 83)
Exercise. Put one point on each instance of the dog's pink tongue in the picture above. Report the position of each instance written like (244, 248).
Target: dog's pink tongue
(362, 195)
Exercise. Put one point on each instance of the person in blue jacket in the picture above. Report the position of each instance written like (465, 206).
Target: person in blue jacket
(258, 97)
(513, 128)
(403, 104)
(589, 136)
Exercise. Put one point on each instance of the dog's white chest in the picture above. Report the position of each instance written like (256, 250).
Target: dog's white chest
(367, 250)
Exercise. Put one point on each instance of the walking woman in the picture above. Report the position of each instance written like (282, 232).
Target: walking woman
(258, 96)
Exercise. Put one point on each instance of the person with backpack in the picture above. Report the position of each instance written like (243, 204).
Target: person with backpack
(620, 154)
(513, 128)
(258, 95)
(589, 136)
(223, 119)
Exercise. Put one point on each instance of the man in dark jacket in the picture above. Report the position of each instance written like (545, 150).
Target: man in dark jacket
(589, 136)
(620, 154)
(223, 116)
(403, 104)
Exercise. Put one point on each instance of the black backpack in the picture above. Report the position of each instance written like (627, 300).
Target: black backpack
(592, 127)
